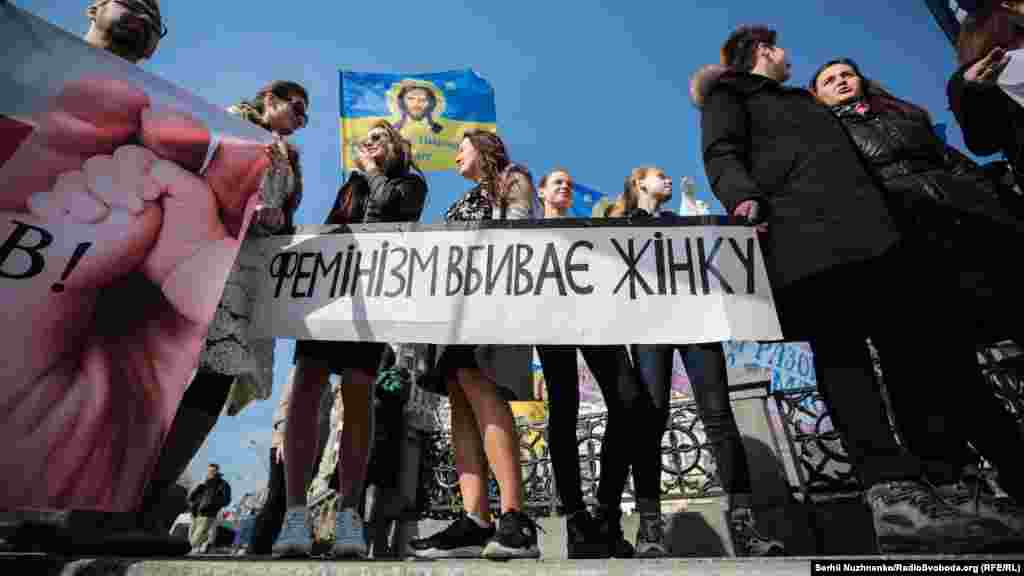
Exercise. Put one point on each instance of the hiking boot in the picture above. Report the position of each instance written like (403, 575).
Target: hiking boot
(295, 539)
(582, 539)
(349, 536)
(463, 538)
(974, 502)
(516, 537)
(609, 530)
(909, 517)
(650, 537)
(747, 541)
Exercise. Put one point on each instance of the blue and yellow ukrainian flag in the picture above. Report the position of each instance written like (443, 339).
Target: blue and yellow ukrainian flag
(431, 110)
(587, 202)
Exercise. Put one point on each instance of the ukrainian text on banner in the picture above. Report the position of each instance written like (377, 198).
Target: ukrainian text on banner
(697, 280)
(431, 110)
(787, 366)
(113, 255)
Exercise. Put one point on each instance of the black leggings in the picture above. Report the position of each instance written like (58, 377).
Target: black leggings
(208, 392)
(610, 367)
(271, 516)
(705, 366)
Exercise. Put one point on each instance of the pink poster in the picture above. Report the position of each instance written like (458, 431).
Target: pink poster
(115, 244)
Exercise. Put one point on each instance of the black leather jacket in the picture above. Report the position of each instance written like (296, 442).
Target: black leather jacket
(382, 198)
(918, 171)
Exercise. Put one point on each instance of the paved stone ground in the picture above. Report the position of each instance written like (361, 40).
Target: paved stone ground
(216, 566)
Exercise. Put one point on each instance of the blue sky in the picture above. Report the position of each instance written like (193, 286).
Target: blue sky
(595, 86)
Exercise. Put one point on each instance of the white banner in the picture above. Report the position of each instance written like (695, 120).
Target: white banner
(574, 282)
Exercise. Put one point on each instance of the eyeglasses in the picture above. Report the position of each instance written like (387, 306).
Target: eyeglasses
(150, 16)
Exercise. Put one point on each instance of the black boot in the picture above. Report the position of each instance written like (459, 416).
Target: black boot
(188, 432)
(608, 522)
(582, 538)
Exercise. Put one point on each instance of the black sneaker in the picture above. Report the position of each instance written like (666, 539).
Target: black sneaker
(582, 538)
(974, 502)
(650, 537)
(516, 537)
(909, 517)
(463, 538)
(747, 540)
(609, 530)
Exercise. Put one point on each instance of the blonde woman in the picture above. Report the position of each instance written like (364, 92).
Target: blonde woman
(387, 188)
(644, 192)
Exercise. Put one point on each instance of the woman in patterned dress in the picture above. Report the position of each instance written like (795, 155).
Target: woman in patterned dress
(232, 364)
(483, 429)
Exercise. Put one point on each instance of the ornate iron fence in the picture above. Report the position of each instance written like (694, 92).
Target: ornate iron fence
(816, 453)
(688, 469)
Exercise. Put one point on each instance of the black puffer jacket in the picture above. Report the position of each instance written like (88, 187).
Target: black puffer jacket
(774, 144)
(921, 175)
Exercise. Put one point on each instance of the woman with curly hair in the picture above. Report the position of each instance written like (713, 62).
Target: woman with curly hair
(483, 430)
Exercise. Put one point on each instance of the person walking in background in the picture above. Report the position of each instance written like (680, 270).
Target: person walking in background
(205, 503)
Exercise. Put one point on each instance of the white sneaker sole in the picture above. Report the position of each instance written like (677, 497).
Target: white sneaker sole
(461, 552)
(496, 551)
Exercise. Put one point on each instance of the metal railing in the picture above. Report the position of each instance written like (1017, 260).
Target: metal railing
(816, 453)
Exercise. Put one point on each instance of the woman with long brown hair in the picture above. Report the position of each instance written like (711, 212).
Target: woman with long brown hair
(388, 187)
(483, 430)
(645, 190)
(947, 210)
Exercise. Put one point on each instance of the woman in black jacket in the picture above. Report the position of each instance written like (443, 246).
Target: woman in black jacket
(942, 201)
(387, 188)
(645, 190)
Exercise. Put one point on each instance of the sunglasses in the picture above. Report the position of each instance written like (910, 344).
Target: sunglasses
(373, 138)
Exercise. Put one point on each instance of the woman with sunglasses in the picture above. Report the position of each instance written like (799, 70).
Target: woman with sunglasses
(231, 363)
(387, 187)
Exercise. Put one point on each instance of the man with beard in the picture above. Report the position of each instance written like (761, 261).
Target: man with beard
(129, 28)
